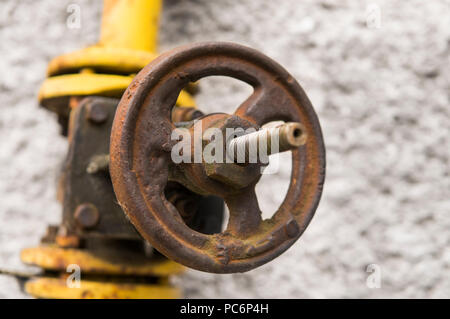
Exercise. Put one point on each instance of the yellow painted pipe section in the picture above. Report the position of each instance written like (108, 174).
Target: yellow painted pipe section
(129, 36)
(131, 24)
(101, 59)
(57, 288)
(128, 41)
(58, 259)
(86, 84)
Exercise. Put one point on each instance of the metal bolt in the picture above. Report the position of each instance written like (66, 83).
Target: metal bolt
(96, 113)
(87, 216)
(267, 141)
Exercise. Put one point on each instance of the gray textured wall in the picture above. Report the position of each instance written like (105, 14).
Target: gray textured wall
(382, 95)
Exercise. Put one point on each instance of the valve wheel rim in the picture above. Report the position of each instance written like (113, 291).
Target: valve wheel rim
(140, 153)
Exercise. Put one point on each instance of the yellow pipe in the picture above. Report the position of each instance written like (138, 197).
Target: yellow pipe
(58, 259)
(57, 288)
(86, 84)
(102, 59)
(131, 24)
(129, 36)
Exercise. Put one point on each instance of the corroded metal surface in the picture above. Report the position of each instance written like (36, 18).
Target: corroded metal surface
(90, 208)
(140, 159)
(185, 114)
(89, 203)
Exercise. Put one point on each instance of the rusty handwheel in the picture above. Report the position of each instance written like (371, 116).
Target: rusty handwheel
(141, 162)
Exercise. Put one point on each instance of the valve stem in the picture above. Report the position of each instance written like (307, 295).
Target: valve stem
(257, 146)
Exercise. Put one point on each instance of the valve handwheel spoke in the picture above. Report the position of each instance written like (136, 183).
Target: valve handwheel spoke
(269, 102)
(141, 159)
(245, 215)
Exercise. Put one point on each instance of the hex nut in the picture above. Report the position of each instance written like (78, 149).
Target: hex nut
(232, 174)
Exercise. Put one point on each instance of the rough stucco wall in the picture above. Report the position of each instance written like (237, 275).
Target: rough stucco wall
(382, 96)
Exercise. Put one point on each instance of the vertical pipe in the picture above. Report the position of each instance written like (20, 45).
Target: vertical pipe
(131, 24)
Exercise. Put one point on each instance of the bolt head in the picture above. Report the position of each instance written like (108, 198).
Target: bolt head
(87, 216)
(97, 113)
